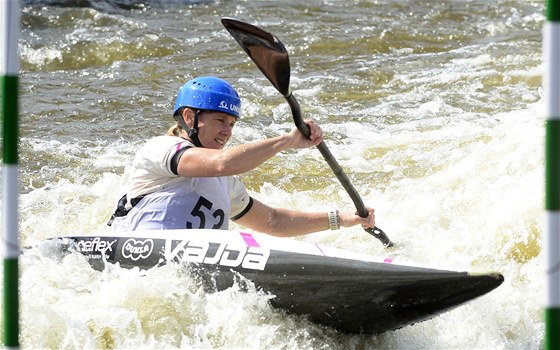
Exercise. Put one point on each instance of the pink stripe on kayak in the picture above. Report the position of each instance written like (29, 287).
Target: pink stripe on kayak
(248, 238)
(388, 260)
(320, 249)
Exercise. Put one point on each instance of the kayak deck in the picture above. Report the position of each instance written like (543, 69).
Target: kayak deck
(350, 292)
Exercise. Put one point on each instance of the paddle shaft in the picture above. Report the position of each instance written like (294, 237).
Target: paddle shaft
(337, 170)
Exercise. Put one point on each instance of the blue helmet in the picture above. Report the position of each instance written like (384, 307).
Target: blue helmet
(209, 93)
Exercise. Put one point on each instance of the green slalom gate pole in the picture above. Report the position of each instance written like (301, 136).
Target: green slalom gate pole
(9, 67)
(551, 86)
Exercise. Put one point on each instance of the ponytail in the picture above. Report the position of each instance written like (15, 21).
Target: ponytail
(176, 129)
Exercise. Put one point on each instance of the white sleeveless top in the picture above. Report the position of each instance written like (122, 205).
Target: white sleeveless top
(174, 202)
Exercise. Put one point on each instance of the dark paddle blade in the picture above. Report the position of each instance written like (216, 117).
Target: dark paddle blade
(380, 235)
(268, 53)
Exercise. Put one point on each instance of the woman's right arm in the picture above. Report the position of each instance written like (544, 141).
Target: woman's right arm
(242, 158)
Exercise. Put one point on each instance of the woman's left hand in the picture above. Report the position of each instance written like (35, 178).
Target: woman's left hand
(348, 219)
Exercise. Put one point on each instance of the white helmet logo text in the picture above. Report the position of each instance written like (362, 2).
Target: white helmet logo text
(231, 107)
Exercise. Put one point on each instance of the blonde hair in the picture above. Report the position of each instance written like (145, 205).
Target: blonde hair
(175, 130)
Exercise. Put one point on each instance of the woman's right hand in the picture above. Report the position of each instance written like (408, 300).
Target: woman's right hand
(315, 137)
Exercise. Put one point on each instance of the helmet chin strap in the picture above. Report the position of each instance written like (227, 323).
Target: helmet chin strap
(192, 132)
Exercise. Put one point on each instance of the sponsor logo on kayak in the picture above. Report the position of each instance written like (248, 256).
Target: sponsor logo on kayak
(97, 247)
(137, 249)
(224, 254)
(97, 244)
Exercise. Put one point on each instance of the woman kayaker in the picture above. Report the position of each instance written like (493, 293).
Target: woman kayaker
(186, 179)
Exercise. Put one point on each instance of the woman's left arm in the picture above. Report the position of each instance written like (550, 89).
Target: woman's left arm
(288, 223)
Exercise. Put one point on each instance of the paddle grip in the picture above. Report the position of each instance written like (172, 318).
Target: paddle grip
(337, 170)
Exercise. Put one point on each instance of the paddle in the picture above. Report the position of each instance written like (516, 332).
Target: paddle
(271, 57)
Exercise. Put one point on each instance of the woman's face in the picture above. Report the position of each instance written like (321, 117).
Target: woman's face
(215, 128)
